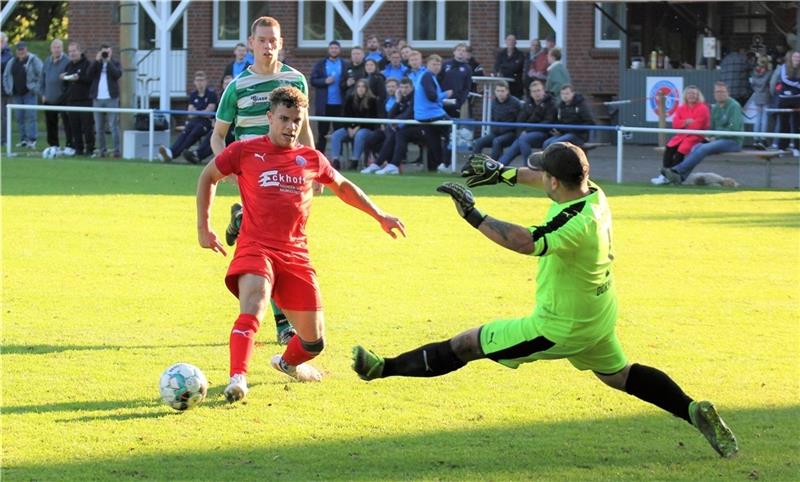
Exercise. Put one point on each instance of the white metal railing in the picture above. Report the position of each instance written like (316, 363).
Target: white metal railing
(148, 67)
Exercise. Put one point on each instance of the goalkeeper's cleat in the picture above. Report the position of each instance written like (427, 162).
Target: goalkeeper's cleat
(284, 332)
(367, 364)
(236, 389)
(302, 372)
(706, 419)
(232, 231)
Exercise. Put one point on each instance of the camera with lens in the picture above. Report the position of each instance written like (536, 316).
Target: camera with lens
(104, 54)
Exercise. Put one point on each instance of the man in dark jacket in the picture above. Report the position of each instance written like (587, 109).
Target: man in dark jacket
(505, 108)
(574, 110)
(510, 62)
(539, 108)
(78, 95)
(6, 55)
(53, 93)
(326, 77)
(456, 75)
(105, 72)
(353, 71)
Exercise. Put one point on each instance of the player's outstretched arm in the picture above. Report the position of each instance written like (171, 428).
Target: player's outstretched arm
(206, 189)
(482, 170)
(511, 236)
(354, 196)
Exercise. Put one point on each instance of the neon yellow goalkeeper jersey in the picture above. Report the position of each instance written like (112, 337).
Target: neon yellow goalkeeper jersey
(575, 297)
(246, 99)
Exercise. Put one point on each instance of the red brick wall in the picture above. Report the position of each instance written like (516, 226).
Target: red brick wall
(593, 71)
(92, 24)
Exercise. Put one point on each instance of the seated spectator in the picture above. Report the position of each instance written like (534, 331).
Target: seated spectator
(505, 108)
(389, 157)
(239, 62)
(429, 107)
(204, 148)
(726, 115)
(573, 110)
(456, 75)
(539, 108)
(362, 103)
(557, 74)
(759, 82)
(202, 99)
(375, 79)
(395, 68)
(692, 113)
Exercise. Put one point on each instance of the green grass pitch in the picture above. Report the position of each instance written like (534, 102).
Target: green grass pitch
(104, 286)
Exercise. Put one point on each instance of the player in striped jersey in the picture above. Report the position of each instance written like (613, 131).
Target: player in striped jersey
(245, 102)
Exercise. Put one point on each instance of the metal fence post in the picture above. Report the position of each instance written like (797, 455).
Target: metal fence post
(151, 136)
(8, 130)
(620, 139)
(453, 153)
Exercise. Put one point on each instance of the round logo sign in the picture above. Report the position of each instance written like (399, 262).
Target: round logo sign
(671, 97)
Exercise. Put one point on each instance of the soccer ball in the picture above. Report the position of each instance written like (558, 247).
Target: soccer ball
(183, 386)
(50, 153)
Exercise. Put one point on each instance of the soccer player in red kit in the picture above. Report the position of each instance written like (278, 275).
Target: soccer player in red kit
(275, 176)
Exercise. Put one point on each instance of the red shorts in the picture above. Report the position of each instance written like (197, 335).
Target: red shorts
(294, 281)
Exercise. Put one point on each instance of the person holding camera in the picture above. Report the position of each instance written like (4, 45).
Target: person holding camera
(104, 74)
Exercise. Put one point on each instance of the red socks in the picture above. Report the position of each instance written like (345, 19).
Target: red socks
(242, 341)
(295, 354)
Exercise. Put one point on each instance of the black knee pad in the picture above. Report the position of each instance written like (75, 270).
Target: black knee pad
(313, 347)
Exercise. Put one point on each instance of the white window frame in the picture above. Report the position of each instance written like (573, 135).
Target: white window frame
(243, 27)
(533, 26)
(330, 13)
(185, 19)
(440, 41)
(599, 41)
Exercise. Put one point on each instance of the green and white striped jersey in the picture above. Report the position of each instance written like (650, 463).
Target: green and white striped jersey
(245, 101)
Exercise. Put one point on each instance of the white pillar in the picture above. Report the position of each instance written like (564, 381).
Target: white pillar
(164, 44)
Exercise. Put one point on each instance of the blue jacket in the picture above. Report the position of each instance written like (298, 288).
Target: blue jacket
(318, 76)
(428, 97)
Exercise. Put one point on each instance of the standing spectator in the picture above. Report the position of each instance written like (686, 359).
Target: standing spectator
(52, 90)
(535, 63)
(353, 71)
(405, 54)
(774, 119)
(505, 108)
(573, 109)
(395, 68)
(415, 67)
(509, 62)
(374, 52)
(539, 108)
(726, 115)
(22, 81)
(362, 103)
(477, 68)
(557, 74)
(456, 75)
(429, 107)
(202, 99)
(242, 59)
(734, 70)
(6, 55)
(326, 77)
(78, 95)
(789, 97)
(104, 74)
(692, 113)
(759, 82)
(375, 79)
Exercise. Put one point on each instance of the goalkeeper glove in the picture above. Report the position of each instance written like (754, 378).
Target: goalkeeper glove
(482, 170)
(465, 203)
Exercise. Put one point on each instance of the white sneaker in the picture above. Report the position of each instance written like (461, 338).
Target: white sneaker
(21, 144)
(371, 168)
(659, 180)
(236, 389)
(442, 168)
(390, 170)
(302, 372)
(69, 152)
(165, 153)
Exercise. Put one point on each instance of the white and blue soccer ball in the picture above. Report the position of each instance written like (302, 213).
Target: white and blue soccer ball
(51, 152)
(183, 386)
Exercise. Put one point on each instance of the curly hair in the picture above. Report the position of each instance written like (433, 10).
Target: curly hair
(288, 96)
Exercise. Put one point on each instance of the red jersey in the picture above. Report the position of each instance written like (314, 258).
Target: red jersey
(275, 184)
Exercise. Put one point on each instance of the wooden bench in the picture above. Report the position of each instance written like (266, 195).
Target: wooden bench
(764, 157)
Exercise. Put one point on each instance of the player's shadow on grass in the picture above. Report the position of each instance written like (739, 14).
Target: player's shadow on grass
(81, 406)
(788, 219)
(652, 445)
(48, 349)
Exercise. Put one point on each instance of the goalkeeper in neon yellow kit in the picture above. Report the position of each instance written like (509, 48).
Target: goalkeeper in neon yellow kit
(576, 303)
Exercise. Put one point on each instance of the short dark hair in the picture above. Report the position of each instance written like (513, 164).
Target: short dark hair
(392, 79)
(568, 86)
(334, 42)
(720, 83)
(536, 81)
(556, 53)
(501, 83)
(406, 80)
(288, 96)
(239, 44)
(264, 22)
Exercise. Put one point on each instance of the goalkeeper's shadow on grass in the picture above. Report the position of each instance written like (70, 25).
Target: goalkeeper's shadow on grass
(49, 349)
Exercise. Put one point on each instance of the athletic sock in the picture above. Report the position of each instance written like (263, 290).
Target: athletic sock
(430, 360)
(295, 354)
(280, 318)
(241, 342)
(656, 387)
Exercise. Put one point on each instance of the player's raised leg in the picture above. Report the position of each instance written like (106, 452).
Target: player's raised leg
(253, 295)
(304, 346)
